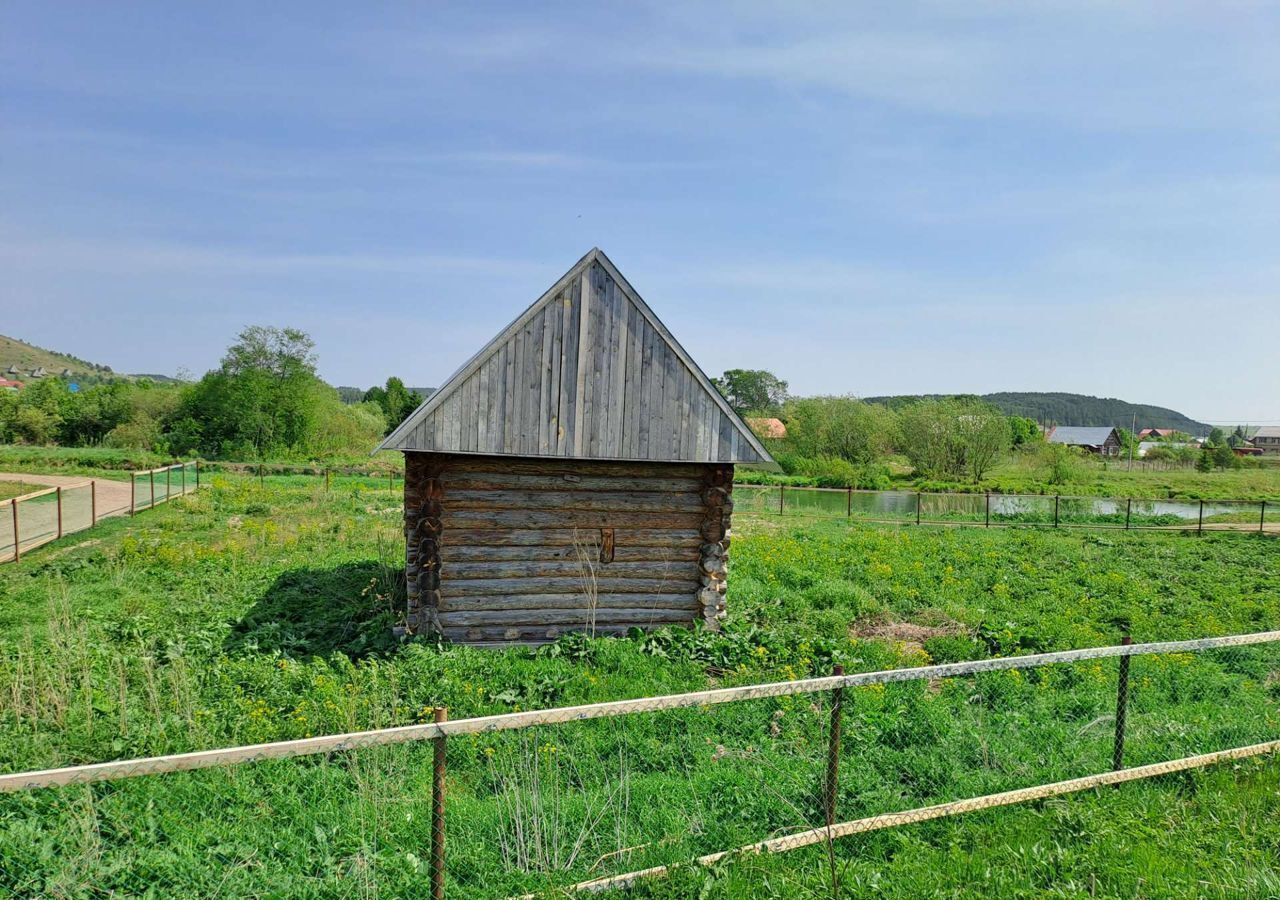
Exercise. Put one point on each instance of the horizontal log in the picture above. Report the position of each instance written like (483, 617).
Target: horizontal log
(636, 501)
(534, 618)
(454, 553)
(565, 537)
(562, 518)
(462, 571)
(527, 466)
(566, 601)
(571, 585)
(500, 481)
(501, 635)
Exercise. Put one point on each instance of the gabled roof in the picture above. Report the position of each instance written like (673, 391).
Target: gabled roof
(1081, 435)
(587, 372)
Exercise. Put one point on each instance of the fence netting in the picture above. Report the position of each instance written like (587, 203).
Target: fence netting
(547, 807)
(1004, 510)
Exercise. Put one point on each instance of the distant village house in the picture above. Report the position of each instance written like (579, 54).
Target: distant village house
(772, 429)
(1267, 439)
(1102, 440)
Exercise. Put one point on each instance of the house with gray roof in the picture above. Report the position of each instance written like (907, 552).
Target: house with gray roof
(1103, 440)
(1267, 439)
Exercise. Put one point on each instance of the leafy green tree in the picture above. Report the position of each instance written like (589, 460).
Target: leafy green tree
(752, 391)
(395, 400)
(1025, 431)
(843, 427)
(953, 438)
(264, 398)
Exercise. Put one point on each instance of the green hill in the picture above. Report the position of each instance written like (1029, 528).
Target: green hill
(27, 357)
(1074, 409)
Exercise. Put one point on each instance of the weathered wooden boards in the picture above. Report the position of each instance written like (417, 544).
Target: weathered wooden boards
(504, 549)
(586, 372)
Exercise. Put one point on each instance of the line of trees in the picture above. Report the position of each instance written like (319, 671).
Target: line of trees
(264, 400)
(945, 438)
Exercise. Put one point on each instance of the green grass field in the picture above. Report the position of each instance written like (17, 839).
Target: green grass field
(16, 489)
(250, 613)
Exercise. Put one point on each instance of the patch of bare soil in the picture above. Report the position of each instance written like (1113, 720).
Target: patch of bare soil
(911, 635)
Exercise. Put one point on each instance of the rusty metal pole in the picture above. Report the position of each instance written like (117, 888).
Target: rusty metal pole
(832, 786)
(59, 496)
(1122, 708)
(437, 809)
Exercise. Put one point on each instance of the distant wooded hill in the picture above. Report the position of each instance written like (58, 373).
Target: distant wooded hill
(1072, 409)
(355, 395)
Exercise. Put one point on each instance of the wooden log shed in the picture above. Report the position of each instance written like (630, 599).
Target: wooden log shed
(574, 475)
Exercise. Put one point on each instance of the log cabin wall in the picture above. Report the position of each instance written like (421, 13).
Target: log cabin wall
(503, 549)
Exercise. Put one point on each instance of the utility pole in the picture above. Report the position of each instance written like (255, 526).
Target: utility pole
(1133, 439)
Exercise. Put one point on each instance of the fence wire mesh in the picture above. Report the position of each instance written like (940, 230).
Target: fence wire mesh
(570, 800)
(1005, 510)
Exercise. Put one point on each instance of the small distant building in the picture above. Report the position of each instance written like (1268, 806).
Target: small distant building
(1103, 440)
(772, 429)
(1267, 439)
(38, 372)
(1151, 434)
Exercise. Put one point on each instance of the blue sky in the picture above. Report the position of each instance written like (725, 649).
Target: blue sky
(863, 198)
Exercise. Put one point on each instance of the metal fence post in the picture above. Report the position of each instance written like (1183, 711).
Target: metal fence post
(152, 473)
(261, 480)
(197, 474)
(1056, 500)
(93, 502)
(184, 479)
(848, 507)
(832, 786)
(781, 495)
(133, 494)
(59, 496)
(437, 810)
(391, 482)
(1262, 518)
(918, 495)
(326, 479)
(1200, 521)
(168, 482)
(987, 523)
(1122, 708)
(17, 541)
(1128, 512)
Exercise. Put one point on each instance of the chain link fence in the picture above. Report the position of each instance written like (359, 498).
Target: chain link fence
(602, 796)
(1006, 510)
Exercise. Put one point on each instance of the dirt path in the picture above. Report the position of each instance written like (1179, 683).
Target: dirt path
(113, 496)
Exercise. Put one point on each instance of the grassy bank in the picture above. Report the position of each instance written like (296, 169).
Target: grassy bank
(251, 613)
